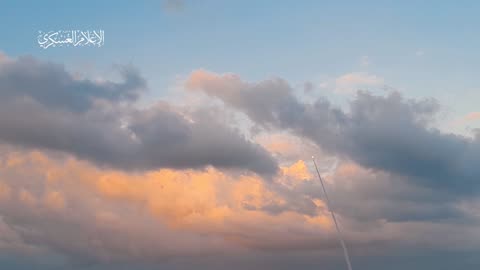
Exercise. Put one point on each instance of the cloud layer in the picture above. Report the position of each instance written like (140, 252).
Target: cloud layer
(44, 107)
(89, 179)
(388, 133)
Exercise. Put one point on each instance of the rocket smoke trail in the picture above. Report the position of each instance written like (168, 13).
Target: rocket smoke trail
(339, 233)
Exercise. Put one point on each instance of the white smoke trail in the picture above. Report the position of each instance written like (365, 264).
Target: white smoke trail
(339, 233)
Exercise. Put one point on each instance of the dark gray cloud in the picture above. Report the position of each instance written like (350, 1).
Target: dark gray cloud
(43, 106)
(190, 144)
(51, 85)
(365, 196)
(388, 133)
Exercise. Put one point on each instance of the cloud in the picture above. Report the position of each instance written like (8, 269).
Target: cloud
(351, 82)
(308, 87)
(94, 181)
(93, 216)
(290, 148)
(44, 107)
(466, 121)
(51, 85)
(366, 195)
(265, 101)
(388, 133)
(473, 116)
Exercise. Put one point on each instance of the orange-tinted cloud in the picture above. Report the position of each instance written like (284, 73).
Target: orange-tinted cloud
(473, 116)
(89, 213)
(225, 208)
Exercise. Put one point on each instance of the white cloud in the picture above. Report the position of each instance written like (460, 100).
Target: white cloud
(349, 83)
(353, 81)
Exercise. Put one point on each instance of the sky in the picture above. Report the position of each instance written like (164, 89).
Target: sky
(185, 140)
